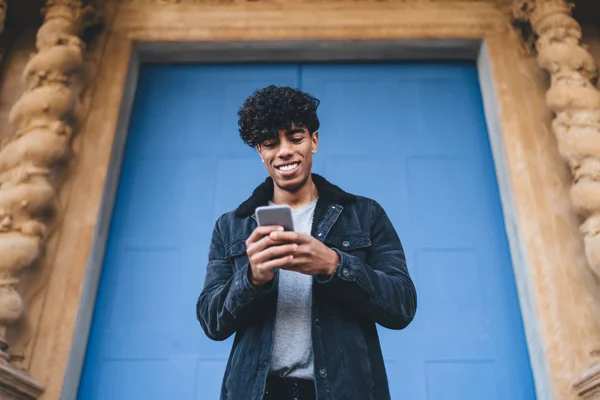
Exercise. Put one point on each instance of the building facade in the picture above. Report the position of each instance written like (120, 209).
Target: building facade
(88, 87)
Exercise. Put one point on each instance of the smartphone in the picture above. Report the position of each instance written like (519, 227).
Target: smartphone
(276, 215)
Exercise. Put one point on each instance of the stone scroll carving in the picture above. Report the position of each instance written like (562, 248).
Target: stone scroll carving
(575, 102)
(45, 118)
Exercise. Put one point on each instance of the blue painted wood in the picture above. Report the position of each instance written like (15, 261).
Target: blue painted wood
(411, 136)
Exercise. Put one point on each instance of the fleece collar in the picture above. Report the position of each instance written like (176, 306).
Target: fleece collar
(264, 192)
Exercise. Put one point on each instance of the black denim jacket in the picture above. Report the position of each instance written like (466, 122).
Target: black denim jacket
(371, 285)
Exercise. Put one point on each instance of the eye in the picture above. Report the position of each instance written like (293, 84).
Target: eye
(270, 144)
(297, 139)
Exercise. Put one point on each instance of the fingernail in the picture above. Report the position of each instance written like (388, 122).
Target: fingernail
(280, 228)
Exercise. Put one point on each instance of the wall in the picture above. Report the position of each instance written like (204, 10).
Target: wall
(566, 294)
(18, 44)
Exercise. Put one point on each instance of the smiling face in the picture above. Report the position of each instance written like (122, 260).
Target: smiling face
(288, 157)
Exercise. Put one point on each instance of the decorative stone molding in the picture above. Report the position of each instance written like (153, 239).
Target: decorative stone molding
(575, 101)
(46, 118)
(16, 384)
(588, 386)
(152, 2)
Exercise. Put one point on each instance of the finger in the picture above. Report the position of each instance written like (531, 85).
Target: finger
(262, 244)
(304, 250)
(275, 252)
(261, 231)
(299, 262)
(281, 262)
(293, 237)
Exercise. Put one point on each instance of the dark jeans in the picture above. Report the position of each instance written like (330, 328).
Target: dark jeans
(289, 389)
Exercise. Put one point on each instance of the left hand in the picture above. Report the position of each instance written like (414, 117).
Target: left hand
(312, 257)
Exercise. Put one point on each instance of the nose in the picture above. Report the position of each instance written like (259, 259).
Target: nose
(285, 149)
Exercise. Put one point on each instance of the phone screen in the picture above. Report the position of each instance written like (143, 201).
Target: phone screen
(277, 215)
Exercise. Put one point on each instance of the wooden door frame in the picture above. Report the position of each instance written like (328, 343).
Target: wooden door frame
(299, 51)
(254, 32)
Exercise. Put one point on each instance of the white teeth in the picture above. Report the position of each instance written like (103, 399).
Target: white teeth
(289, 167)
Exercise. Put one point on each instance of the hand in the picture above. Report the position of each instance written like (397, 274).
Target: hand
(266, 254)
(311, 257)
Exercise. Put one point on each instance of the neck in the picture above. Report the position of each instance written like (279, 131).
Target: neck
(307, 193)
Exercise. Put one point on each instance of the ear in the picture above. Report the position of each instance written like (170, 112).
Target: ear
(258, 150)
(314, 138)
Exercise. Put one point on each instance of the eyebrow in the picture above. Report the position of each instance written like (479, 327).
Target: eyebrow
(295, 130)
(288, 133)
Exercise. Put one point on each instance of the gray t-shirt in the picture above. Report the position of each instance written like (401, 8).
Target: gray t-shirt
(292, 348)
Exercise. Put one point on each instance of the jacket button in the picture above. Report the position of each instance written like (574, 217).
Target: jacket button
(323, 373)
(345, 273)
(346, 243)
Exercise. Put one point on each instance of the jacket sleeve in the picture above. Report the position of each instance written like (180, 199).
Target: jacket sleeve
(379, 288)
(228, 299)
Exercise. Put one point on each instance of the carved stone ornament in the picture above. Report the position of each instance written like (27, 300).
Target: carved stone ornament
(588, 386)
(575, 101)
(45, 117)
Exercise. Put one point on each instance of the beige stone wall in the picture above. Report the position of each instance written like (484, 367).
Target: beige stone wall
(566, 293)
(566, 290)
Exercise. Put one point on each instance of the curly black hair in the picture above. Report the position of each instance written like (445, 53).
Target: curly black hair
(273, 108)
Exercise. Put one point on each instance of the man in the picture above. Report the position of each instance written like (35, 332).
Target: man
(304, 305)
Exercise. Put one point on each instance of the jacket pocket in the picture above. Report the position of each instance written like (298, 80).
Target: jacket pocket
(354, 243)
(236, 252)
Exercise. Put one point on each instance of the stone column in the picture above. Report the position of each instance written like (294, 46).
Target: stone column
(31, 161)
(575, 102)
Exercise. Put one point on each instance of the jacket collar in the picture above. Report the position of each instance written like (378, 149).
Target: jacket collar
(264, 192)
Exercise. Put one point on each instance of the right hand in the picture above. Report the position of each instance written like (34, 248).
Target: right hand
(266, 254)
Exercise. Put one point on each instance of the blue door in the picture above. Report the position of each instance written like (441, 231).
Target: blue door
(410, 135)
